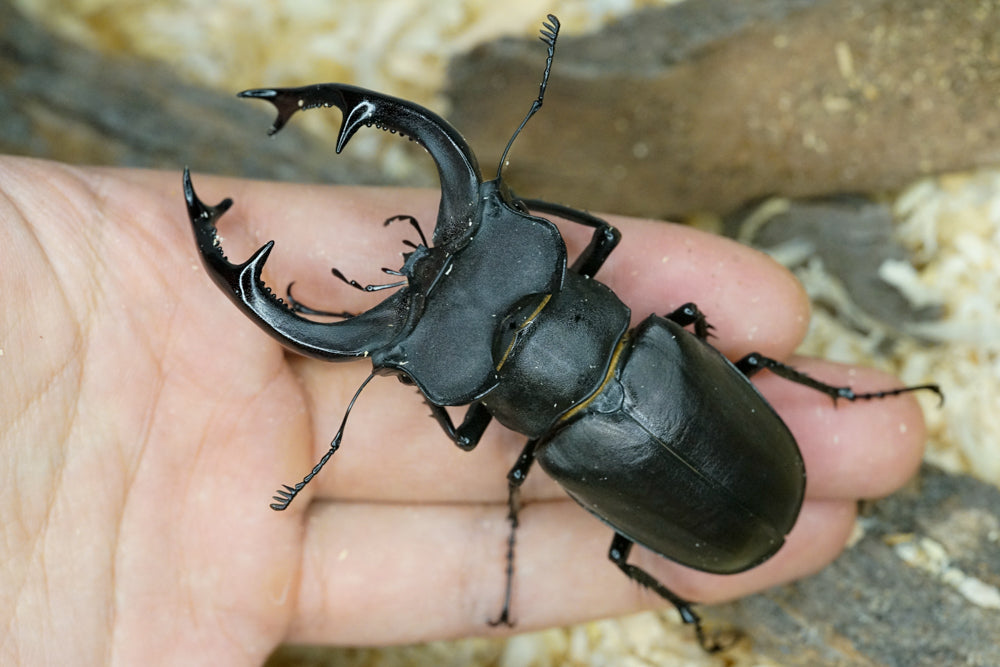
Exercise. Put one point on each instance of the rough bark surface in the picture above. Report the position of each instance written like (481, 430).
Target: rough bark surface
(707, 104)
(920, 588)
(66, 103)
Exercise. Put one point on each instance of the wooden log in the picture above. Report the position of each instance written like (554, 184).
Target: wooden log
(921, 587)
(704, 105)
(67, 103)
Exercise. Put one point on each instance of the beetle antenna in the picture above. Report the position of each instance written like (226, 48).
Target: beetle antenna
(285, 495)
(549, 33)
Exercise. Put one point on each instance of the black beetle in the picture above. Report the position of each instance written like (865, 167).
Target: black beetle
(650, 429)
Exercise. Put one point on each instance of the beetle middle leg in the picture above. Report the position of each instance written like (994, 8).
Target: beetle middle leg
(467, 436)
(515, 478)
(621, 546)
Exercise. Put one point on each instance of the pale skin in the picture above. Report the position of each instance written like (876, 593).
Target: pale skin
(145, 423)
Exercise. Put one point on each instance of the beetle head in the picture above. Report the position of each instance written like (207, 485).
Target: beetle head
(386, 331)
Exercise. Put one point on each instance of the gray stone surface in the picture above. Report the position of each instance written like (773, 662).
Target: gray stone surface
(852, 236)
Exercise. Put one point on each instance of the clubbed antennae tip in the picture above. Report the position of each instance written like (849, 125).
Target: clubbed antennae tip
(548, 35)
(549, 31)
(286, 494)
(283, 497)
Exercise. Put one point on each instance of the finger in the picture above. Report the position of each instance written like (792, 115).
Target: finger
(775, 326)
(314, 227)
(752, 302)
(656, 268)
(377, 574)
(392, 451)
(323, 225)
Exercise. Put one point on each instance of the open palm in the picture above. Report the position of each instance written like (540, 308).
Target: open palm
(145, 424)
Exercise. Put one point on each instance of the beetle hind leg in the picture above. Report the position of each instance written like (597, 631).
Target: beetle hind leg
(621, 546)
(754, 362)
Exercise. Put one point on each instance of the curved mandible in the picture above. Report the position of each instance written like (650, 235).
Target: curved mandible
(356, 337)
(457, 166)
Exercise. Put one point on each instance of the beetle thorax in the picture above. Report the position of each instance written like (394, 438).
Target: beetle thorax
(555, 355)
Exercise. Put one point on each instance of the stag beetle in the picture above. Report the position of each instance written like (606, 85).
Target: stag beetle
(651, 429)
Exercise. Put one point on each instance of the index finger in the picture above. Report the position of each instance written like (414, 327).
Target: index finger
(656, 268)
(753, 303)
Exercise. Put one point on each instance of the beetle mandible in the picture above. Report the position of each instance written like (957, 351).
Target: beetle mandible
(467, 328)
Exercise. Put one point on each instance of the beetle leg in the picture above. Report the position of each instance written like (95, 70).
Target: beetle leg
(466, 435)
(604, 240)
(754, 362)
(515, 478)
(621, 546)
(690, 314)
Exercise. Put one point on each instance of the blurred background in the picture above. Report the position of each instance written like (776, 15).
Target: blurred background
(857, 141)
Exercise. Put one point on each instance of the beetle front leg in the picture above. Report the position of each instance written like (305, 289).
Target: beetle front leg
(515, 478)
(604, 240)
(621, 546)
(469, 432)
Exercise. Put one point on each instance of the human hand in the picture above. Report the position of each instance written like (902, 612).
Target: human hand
(146, 423)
